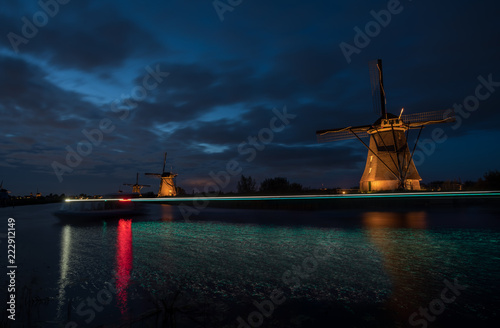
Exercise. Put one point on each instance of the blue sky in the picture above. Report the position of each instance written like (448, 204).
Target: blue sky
(220, 81)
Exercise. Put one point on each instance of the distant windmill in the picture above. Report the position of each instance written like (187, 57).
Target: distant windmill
(136, 188)
(389, 164)
(167, 183)
(4, 193)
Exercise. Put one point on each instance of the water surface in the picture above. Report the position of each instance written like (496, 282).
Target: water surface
(321, 268)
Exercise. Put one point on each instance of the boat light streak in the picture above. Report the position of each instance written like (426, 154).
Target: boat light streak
(455, 194)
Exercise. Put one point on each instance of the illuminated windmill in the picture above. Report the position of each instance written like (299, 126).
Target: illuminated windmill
(167, 183)
(389, 164)
(136, 188)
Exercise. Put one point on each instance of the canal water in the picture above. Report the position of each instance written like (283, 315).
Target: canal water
(257, 268)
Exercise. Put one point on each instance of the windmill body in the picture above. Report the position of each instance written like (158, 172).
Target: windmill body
(167, 182)
(389, 164)
(388, 154)
(167, 185)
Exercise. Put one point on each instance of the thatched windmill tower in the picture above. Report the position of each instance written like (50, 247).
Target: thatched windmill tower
(389, 164)
(167, 182)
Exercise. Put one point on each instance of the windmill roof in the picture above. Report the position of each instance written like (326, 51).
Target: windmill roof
(389, 115)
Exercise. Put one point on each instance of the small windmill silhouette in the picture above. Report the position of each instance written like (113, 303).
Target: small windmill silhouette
(4, 193)
(136, 188)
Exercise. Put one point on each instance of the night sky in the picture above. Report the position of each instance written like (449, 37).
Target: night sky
(198, 81)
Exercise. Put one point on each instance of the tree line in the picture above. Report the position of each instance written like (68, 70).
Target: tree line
(281, 185)
(489, 181)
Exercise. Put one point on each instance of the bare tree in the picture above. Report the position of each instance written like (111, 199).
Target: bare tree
(246, 185)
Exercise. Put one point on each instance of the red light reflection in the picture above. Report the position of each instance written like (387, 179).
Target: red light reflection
(123, 261)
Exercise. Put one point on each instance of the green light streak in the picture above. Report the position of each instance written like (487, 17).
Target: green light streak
(457, 194)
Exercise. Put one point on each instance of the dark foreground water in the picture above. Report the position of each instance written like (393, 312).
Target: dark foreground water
(260, 268)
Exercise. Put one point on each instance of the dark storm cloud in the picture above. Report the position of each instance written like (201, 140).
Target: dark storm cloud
(116, 42)
(305, 67)
(194, 90)
(30, 101)
(40, 119)
(82, 36)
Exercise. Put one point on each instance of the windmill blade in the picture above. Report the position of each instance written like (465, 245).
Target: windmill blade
(346, 133)
(339, 136)
(432, 117)
(164, 162)
(421, 124)
(128, 184)
(377, 83)
(137, 178)
(155, 174)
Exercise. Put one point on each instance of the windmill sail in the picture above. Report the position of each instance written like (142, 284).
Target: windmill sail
(377, 83)
(350, 132)
(164, 162)
(425, 118)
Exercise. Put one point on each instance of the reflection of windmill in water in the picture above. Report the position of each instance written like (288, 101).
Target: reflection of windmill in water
(136, 188)
(167, 183)
(408, 255)
(389, 164)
